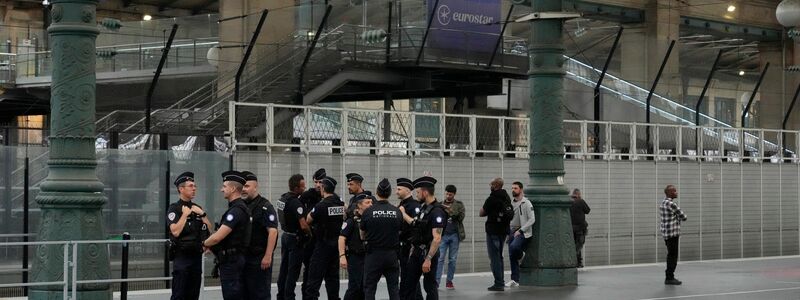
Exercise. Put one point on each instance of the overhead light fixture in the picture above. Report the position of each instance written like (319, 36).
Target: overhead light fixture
(731, 8)
(147, 17)
(741, 73)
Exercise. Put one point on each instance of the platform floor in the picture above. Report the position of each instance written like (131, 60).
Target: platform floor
(763, 278)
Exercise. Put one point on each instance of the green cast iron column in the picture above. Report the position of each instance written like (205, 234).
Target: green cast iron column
(550, 259)
(71, 197)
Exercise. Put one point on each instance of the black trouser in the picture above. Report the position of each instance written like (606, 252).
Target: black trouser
(384, 263)
(672, 256)
(257, 282)
(231, 277)
(324, 265)
(291, 262)
(187, 273)
(414, 271)
(405, 252)
(355, 277)
(580, 239)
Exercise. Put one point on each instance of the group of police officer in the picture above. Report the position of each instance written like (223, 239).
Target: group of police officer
(369, 237)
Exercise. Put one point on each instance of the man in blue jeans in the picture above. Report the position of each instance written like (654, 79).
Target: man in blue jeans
(498, 212)
(453, 235)
(521, 231)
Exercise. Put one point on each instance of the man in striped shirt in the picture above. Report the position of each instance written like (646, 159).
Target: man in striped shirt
(671, 217)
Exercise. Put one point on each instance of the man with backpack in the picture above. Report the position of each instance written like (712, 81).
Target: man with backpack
(499, 212)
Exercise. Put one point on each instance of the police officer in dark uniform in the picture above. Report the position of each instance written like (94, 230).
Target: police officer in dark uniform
(291, 214)
(427, 226)
(188, 226)
(326, 219)
(355, 188)
(310, 198)
(264, 237)
(351, 249)
(380, 225)
(411, 206)
(231, 241)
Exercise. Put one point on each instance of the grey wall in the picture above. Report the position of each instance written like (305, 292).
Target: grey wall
(735, 210)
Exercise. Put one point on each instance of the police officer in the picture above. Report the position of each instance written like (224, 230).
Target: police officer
(355, 188)
(188, 226)
(258, 258)
(310, 198)
(428, 226)
(326, 219)
(230, 242)
(290, 214)
(380, 225)
(351, 249)
(411, 206)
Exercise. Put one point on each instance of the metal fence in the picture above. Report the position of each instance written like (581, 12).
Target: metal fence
(328, 129)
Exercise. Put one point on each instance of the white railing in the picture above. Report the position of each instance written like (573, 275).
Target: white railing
(71, 264)
(326, 129)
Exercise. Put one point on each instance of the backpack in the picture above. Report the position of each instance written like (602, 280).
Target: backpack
(506, 214)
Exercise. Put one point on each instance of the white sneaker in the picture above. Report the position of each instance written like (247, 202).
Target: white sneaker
(512, 283)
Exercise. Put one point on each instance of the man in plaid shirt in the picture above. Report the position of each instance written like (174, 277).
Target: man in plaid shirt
(671, 217)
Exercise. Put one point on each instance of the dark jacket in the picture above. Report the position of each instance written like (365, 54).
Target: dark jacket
(494, 205)
(578, 211)
(457, 212)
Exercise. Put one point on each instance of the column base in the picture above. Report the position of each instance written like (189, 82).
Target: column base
(59, 295)
(549, 277)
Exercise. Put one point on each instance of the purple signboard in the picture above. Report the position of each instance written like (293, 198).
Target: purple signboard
(465, 25)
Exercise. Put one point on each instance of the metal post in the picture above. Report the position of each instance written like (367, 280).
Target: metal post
(550, 261)
(243, 64)
(788, 113)
(165, 191)
(653, 89)
(123, 286)
(299, 94)
(389, 34)
(152, 88)
(71, 198)
(753, 95)
(432, 13)
(597, 96)
(500, 37)
(700, 101)
(25, 220)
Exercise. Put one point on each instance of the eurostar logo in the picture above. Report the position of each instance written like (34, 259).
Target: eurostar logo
(443, 15)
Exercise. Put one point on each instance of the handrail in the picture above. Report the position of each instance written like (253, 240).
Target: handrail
(717, 142)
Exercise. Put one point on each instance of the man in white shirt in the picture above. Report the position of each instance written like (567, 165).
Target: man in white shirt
(521, 230)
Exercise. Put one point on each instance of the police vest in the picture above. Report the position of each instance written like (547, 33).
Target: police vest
(190, 241)
(258, 211)
(329, 227)
(423, 229)
(239, 238)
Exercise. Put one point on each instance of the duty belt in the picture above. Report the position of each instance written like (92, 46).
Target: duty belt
(227, 252)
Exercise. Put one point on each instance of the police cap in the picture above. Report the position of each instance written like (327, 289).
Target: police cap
(184, 177)
(424, 182)
(249, 176)
(405, 182)
(319, 174)
(354, 177)
(234, 176)
(384, 187)
(329, 182)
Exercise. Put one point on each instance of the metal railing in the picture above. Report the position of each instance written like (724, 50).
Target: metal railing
(325, 129)
(8, 66)
(184, 53)
(71, 265)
